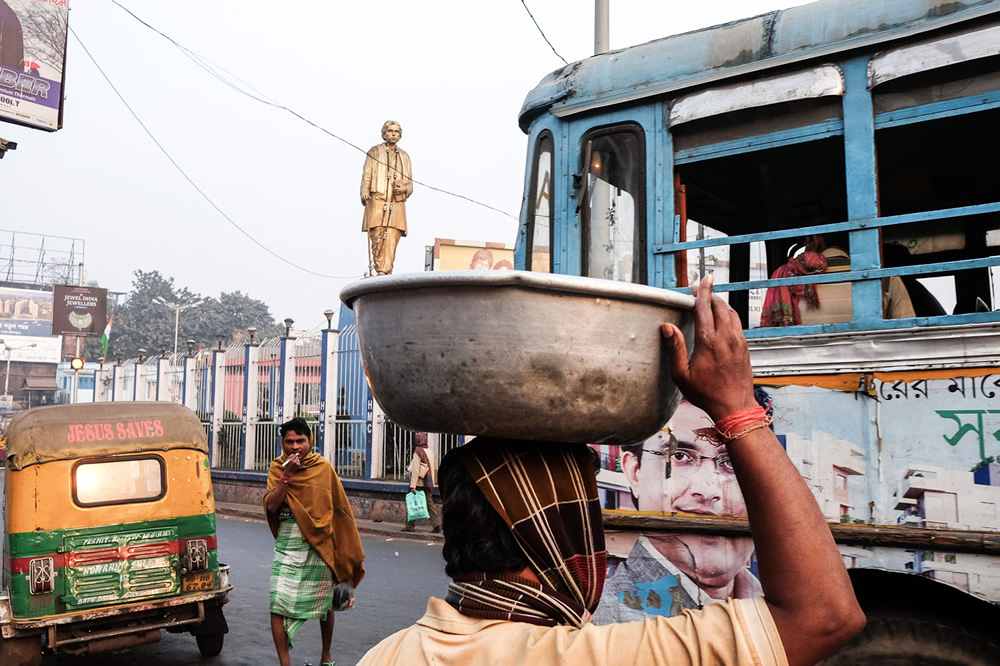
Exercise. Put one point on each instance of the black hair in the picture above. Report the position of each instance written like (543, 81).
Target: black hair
(476, 538)
(297, 425)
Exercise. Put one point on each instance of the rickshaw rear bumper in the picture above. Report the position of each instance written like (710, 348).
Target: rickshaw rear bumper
(72, 631)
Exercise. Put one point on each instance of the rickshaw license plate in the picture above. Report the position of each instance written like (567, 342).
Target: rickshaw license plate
(199, 582)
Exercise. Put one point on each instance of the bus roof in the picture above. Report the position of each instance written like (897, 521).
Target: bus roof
(761, 42)
(68, 432)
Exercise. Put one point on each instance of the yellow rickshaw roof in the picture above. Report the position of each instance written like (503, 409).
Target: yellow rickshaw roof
(66, 432)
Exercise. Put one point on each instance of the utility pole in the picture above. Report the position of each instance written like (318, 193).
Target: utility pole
(601, 28)
(76, 372)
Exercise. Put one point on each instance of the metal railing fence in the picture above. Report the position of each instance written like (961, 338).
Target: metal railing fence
(318, 378)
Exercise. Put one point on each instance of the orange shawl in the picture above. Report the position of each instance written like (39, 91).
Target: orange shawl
(320, 507)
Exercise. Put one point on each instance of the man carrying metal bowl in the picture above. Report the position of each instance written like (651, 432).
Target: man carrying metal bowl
(524, 544)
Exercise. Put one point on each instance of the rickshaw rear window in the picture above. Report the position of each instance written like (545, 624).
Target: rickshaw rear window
(101, 482)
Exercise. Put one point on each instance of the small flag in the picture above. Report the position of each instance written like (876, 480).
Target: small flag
(106, 336)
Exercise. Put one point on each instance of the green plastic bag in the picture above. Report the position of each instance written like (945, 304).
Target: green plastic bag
(416, 506)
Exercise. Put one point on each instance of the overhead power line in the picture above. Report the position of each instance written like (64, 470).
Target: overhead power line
(210, 67)
(542, 32)
(191, 181)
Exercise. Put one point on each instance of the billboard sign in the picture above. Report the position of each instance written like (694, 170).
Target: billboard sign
(79, 311)
(25, 312)
(32, 61)
(31, 349)
(26, 326)
(451, 255)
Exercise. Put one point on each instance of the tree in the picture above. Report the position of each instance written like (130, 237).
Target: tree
(142, 324)
(44, 28)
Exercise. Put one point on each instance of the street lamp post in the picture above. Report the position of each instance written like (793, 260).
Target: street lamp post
(177, 308)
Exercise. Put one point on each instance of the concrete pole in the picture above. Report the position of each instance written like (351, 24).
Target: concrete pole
(375, 436)
(76, 373)
(327, 436)
(286, 380)
(218, 400)
(188, 396)
(601, 28)
(251, 377)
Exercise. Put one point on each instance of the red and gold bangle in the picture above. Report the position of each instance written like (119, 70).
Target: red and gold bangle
(736, 425)
(285, 479)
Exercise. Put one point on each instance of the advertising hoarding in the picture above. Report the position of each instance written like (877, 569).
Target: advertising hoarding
(32, 61)
(914, 452)
(452, 255)
(26, 326)
(80, 311)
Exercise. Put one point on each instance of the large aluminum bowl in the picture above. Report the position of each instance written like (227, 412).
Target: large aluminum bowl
(519, 355)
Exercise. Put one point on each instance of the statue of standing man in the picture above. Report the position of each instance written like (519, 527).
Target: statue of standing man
(386, 184)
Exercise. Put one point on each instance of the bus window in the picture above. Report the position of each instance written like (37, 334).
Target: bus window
(539, 229)
(612, 205)
(933, 163)
(715, 260)
(758, 171)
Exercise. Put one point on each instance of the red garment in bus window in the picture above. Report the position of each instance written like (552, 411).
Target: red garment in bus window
(781, 304)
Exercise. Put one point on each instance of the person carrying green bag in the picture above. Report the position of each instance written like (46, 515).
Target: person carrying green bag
(423, 475)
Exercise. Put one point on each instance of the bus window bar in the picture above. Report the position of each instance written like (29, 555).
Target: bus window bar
(858, 327)
(944, 109)
(855, 276)
(854, 225)
(792, 137)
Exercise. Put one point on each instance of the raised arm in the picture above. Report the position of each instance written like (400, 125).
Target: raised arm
(801, 571)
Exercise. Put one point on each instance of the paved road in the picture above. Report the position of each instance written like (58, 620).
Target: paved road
(401, 574)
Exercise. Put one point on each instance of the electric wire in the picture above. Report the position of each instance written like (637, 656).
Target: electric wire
(191, 181)
(263, 99)
(542, 32)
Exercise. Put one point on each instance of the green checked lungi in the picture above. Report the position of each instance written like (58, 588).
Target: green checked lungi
(301, 582)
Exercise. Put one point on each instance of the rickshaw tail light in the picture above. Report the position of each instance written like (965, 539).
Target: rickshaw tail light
(197, 554)
(41, 573)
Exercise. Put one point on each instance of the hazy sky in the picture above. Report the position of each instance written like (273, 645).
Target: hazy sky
(454, 74)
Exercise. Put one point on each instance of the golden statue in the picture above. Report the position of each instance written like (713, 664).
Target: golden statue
(386, 184)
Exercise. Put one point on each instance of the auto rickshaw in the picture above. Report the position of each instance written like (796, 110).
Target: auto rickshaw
(109, 531)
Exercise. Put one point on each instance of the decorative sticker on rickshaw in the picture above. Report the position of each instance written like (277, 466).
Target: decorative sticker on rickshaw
(107, 432)
(120, 566)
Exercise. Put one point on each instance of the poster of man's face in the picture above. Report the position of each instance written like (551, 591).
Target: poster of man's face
(679, 471)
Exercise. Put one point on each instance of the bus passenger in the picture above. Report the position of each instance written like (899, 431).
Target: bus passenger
(828, 303)
(925, 304)
(524, 545)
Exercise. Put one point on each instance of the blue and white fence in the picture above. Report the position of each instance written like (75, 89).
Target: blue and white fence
(244, 392)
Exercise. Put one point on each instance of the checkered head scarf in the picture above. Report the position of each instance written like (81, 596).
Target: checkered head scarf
(546, 492)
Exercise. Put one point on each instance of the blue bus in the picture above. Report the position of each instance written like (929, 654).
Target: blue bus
(837, 167)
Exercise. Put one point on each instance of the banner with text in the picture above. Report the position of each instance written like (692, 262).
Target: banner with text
(32, 61)
(79, 310)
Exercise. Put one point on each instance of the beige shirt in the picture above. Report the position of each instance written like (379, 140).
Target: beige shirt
(736, 632)
(835, 297)
(414, 469)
